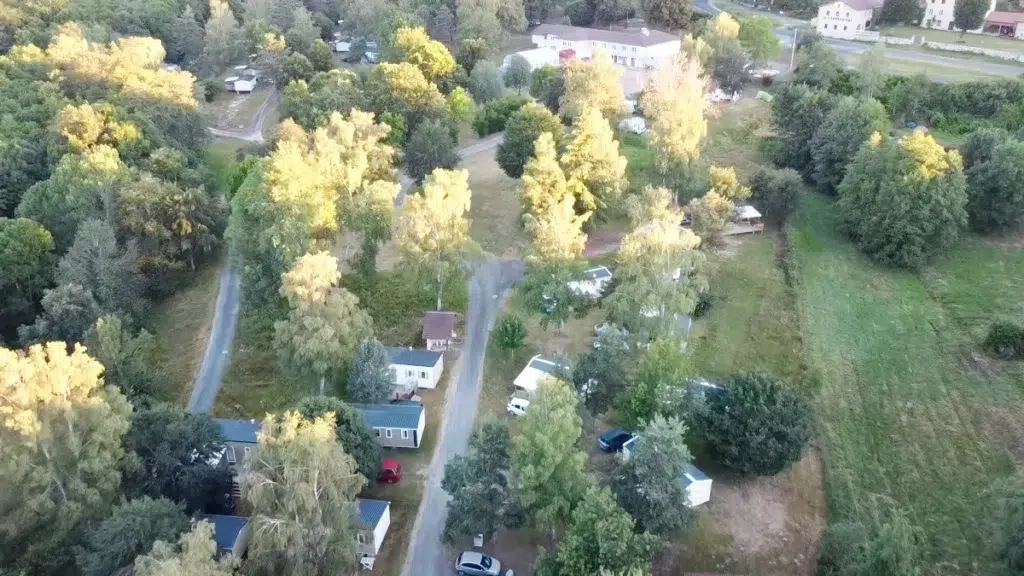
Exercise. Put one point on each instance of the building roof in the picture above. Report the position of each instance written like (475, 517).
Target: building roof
(438, 325)
(688, 474)
(599, 273)
(1008, 18)
(747, 211)
(536, 370)
(239, 430)
(371, 511)
(225, 529)
(404, 415)
(632, 37)
(414, 357)
(863, 4)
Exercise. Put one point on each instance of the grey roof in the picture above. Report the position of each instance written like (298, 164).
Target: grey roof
(545, 365)
(599, 273)
(225, 529)
(863, 4)
(414, 357)
(631, 37)
(371, 511)
(404, 415)
(239, 430)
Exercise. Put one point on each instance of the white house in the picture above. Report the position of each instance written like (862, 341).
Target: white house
(847, 18)
(697, 484)
(537, 57)
(397, 425)
(635, 48)
(244, 83)
(373, 523)
(415, 368)
(537, 369)
(438, 329)
(594, 283)
(939, 14)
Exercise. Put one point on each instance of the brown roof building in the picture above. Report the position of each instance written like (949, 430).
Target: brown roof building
(438, 329)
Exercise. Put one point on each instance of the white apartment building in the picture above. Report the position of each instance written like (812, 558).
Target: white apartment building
(939, 14)
(847, 18)
(633, 48)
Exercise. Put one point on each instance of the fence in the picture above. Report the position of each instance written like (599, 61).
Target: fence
(1001, 54)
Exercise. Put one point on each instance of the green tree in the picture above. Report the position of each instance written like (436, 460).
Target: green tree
(648, 484)
(412, 45)
(872, 71)
(358, 439)
(896, 548)
(301, 486)
(434, 229)
(296, 67)
(489, 19)
(918, 184)
(660, 374)
(127, 360)
(484, 83)
(131, 530)
(757, 35)
(172, 455)
(27, 264)
(836, 141)
(969, 15)
(592, 158)
(674, 103)
(817, 65)
(460, 105)
(471, 51)
(518, 73)
(482, 499)
(302, 32)
(547, 463)
(546, 290)
(777, 192)
(601, 537)
(594, 83)
(710, 215)
(96, 262)
(758, 427)
(186, 42)
(69, 311)
(402, 89)
(729, 65)
(980, 146)
(371, 379)
(194, 555)
(995, 200)
(603, 372)
(903, 12)
(521, 132)
(670, 14)
(325, 323)
(511, 332)
(908, 100)
(430, 147)
(222, 41)
(547, 85)
(61, 439)
(320, 56)
(797, 113)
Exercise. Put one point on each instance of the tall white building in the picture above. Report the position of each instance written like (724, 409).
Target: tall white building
(845, 18)
(939, 14)
(634, 48)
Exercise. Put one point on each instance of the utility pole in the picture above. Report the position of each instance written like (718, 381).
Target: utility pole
(792, 54)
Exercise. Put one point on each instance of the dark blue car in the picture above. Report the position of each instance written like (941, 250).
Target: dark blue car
(612, 440)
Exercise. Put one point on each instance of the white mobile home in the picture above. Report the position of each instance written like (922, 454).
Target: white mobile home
(438, 329)
(594, 282)
(537, 369)
(416, 368)
(373, 523)
(697, 484)
(537, 58)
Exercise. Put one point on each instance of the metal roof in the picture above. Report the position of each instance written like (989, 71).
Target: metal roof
(544, 365)
(631, 37)
(414, 357)
(239, 430)
(438, 325)
(405, 415)
(225, 528)
(599, 273)
(1006, 18)
(371, 511)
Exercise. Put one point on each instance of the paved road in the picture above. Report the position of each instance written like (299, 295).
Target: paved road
(426, 555)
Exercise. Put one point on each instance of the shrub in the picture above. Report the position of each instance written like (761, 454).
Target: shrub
(777, 193)
(212, 88)
(495, 114)
(484, 83)
(842, 549)
(521, 131)
(705, 302)
(1006, 340)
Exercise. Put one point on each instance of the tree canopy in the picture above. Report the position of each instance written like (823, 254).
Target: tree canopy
(355, 435)
(594, 83)
(521, 132)
(836, 141)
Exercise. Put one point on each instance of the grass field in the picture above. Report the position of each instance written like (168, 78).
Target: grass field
(912, 416)
(953, 37)
(495, 210)
(230, 111)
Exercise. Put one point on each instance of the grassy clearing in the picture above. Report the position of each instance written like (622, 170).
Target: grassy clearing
(640, 161)
(231, 111)
(495, 208)
(181, 326)
(911, 415)
(734, 136)
(968, 72)
(951, 37)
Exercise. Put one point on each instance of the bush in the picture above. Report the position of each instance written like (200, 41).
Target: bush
(1006, 340)
(212, 88)
(484, 83)
(521, 131)
(758, 427)
(842, 549)
(495, 114)
(704, 303)
(777, 193)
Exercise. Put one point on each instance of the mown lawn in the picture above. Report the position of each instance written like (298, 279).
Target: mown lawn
(494, 211)
(911, 415)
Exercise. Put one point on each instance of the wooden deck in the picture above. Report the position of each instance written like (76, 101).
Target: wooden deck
(734, 229)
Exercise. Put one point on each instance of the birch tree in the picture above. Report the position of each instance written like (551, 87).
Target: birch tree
(676, 110)
(593, 83)
(593, 159)
(194, 555)
(557, 231)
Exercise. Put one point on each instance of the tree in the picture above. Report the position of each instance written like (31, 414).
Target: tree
(757, 36)
(969, 15)
(69, 311)
(981, 145)
(522, 130)
(511, 332)
(777, 192)
(729, 65)
(471, 51)
(671, 14)
(61, 436)
(593, 83)
(186, 42)
(603, 372)
(817, 66)
(478, 482)
(836, 141)
(896, 548)
(908, 12)
(358, 439)
(460, 105)
(172, 456)
(434, 229)
(995, 200)
(300, 35)
(908, 99)
(489, 19)
(302, 486)
(758, 427)
(371, 379)
(601, 536)
(111, 547)
(660, 374)
(127, 360)
(648, 484)
(412, 45)
(547, 464)
(557, 232)
(722, 27)
(27, 264)
(296, 67)
(484, 83)
(222, 38)
(517, 73)
(430, 147)
(544, 184)
(797, 113)
(674, 104)
(325, 323)
(918, 185)
(592, 158)
(547, 85)
(873, 71)
(195, 555)
(546, 290)
(402, 89)
(96, 262)
(320, 56)
(537, 10)
(710, 215)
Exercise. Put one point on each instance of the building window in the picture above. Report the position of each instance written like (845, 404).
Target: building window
(231, 454)
(387, 432)
(246, 452)
(423, 375)
(377, 430)
(360, 538)
(634, 48)
(828, 12)
(405, 434)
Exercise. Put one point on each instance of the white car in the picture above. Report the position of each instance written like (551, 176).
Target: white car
(517, 405)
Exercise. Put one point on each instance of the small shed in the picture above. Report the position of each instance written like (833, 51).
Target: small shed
(341, 46)
(246, 82)
(696, 483)
(373, 523)
(416, 368)
(438, 329)
(229, 83)
(536, 57)
(231, 533)
(398, 425)
(537, 369)
(594, 282)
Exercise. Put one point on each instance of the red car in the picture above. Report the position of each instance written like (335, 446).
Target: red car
(390, 471)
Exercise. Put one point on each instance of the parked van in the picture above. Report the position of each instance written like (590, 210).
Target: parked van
(517, 404)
